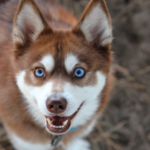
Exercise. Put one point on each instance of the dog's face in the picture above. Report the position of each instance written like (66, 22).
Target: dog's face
(61, 75)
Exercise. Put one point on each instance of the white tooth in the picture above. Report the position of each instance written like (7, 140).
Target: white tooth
(65, 122)
(48, 120)
(59, 126)
(51, 125)
(62, 126)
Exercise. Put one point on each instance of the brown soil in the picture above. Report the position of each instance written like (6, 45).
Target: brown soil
(125, 124)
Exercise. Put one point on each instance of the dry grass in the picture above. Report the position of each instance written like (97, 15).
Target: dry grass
(125, 124)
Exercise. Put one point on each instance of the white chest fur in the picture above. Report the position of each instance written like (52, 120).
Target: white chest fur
(20, 144)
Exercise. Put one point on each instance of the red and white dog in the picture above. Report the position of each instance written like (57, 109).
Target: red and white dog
(55, 72)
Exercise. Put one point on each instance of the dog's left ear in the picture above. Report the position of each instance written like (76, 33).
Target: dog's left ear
(28, 23)
(95, 24)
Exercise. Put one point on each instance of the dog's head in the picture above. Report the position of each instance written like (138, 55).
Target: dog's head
(61, 74)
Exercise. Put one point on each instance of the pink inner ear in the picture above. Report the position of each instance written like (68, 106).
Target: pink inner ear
(28, 31)
(94, 31)
(96, 35)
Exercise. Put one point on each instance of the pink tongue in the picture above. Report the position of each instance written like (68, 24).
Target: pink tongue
(58, 120)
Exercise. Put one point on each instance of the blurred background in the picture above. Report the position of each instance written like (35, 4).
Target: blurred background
(125, 124)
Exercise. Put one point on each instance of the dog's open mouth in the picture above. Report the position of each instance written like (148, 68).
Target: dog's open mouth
(59, 125)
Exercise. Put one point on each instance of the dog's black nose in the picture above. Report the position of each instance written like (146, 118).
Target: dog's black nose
(56, 104)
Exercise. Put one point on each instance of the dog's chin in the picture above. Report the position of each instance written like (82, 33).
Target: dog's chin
(58, 125)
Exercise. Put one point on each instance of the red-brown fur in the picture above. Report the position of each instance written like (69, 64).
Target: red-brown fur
(12, 110)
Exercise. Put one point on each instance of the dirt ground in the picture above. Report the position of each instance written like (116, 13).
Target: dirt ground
(125, 124)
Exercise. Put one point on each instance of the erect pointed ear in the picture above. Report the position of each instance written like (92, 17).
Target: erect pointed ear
(28, 23)
(95, 24)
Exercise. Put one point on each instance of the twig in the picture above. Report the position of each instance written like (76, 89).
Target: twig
(125, 10)
(146, 96)
(125, 84)
(118, 126)
(109, 142)
(140, 130)
(124, 71)
(130, 80)
(145, 4)
(1, 148)
(142, 71)
(131, 142)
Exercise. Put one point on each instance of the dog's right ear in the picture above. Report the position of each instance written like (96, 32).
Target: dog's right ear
(28, 23)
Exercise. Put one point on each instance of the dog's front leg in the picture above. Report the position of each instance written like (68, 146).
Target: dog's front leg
(58, 148)
(78, 144)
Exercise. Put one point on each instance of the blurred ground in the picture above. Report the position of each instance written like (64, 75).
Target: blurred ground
(125, 125)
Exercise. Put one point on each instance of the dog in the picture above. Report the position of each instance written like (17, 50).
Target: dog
(55, 77)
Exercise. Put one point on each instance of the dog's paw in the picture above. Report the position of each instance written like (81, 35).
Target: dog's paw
(79, 144)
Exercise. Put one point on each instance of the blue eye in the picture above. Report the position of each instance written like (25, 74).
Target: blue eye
(79, 72)
(39, 72)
